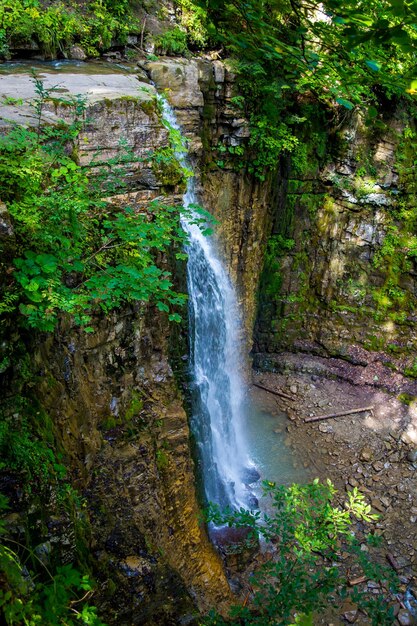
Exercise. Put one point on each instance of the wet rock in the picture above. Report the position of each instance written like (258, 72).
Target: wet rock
(250, 475)
(326, 428)
(412, 455)
(77, 53)
(224, 537)
(376, 504)
(349, 611)
(395, 435)
(237, 545)
(253, 502)
(350, 616)
(6, 228)
(373, 585)
(43, 552)
(113, 56)
(181, 78)
(404, 617)
(402, 562)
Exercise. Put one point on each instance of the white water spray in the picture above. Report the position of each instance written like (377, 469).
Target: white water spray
(218, 408)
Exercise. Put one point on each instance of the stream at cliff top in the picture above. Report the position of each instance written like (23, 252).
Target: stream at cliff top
(223, 419)
(66, 66)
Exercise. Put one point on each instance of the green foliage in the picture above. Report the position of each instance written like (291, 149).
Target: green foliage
(411, 370)
(39, 597)
(407, 398)
(77, 253)
(26, 439)
(135, 406)
(162, 460)
(173, 42)
(342, 55)
(268, 142)
(56, 26)
(23, 453)
(304, 575)
(166, 167)
(36, 589)
(194, 19)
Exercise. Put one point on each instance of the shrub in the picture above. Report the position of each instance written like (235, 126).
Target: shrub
(172, 42)
(304, 575)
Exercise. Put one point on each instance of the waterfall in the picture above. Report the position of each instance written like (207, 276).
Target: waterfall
(218, 408)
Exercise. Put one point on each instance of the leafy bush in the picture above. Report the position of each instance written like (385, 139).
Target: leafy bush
(42, 597)
(341, 55)
(58, 25)
(193, 18)
(268, 142)
(172, 42)
(304, 574)
(78, 253)
(23, 453)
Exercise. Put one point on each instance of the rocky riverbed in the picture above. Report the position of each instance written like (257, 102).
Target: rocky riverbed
(373, 450)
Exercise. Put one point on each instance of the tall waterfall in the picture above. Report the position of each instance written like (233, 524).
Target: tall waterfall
(217, 420)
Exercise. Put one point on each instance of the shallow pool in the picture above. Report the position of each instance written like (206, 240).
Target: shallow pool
(269, 446)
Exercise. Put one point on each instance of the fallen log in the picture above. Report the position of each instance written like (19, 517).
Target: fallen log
(318, 418)
(281, 394)
(357, 581)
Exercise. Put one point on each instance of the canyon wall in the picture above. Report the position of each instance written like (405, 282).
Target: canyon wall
(340, 273)
(202, 93)
(113, 403)
(331, 234)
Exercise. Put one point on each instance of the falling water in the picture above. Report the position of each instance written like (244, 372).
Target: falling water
(218, 407)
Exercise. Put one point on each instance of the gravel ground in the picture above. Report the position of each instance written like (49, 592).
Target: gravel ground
(374, 450)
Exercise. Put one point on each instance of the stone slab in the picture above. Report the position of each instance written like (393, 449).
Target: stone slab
(94, 87)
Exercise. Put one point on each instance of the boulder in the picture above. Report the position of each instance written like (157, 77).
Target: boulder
(77, 53)
(250, 475)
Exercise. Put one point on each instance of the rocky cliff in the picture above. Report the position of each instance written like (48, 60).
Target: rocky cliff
(113, 402)
(340, 276)
(331, 233)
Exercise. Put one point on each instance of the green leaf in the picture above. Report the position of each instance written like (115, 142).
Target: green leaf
(345, 103)
(162, 306)
(373, 65)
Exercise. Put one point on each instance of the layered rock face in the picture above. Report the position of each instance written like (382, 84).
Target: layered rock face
(201, 92)
(112, 396)
(119, 416)
(340, 273)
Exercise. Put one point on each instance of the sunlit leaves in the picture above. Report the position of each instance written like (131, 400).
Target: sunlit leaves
(79, 254)
(345, 103)
(305, 573)
(373, 65)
